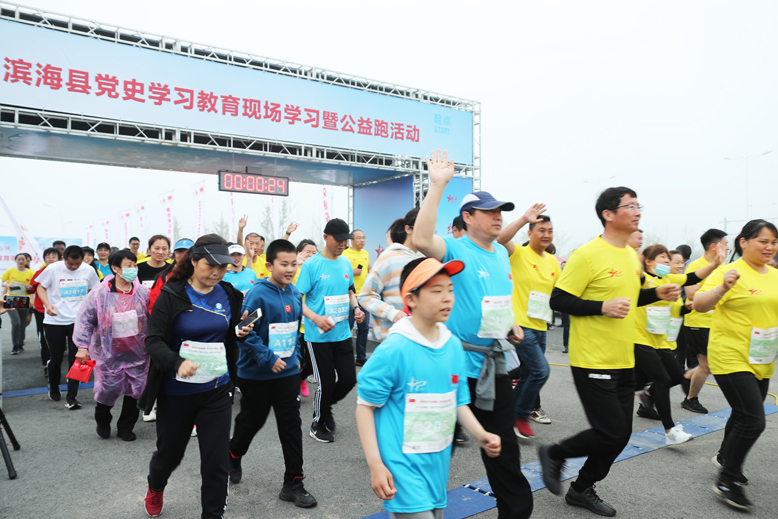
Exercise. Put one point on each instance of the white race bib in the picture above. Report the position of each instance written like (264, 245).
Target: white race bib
(124, 324)
(210, 357)
(538, 306)
(496, 317)
(657, 319)
(764, 346)
(282, 338)
(149, 283)
(429, 422)
(336, 307)
(71, 290)
(674, 328)
(17, 288)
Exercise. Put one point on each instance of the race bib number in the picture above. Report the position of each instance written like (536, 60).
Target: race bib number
(496, 317)
(149, 283)
(674, 328)
(764, 346)
(336, 307)
(429, 422)
(210, 358)
(282, 338)
(124, 324)
(538, 306)
(72, 290)
(657, 319)
(17, 288)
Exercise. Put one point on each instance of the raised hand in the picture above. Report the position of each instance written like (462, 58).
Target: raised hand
(721, 254)
(730, 279)
(292, 228)
(440, 169)
(242, 222)
(535, 210)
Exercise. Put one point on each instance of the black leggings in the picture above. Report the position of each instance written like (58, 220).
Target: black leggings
(42, 336)
(661, 368)
(746, 395)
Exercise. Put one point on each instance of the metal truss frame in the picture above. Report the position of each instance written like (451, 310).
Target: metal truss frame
(73, 124)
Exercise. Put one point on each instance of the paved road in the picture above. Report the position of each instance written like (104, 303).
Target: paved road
(66, 471)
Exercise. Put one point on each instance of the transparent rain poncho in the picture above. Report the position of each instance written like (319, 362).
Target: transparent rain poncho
(114, 325)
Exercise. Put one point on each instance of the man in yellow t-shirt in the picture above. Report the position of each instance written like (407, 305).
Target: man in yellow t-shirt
(534, 272)
(134, 246)
(696, 326)
(255, 248)
(600, 289)
(360, 262)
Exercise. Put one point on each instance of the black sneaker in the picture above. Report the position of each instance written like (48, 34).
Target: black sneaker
(719, 464)
(551, 469)
(297, 494)
(589, 499)
(236, 471)
(564, 349)
(16, 351)
(104, 431)
(733, 495)
(330, 423)
(55, 394)
(693, 405)
(73, 405)
(128, 436)
(360, 362)
(645, 412)
(646, 399)
(320, 433)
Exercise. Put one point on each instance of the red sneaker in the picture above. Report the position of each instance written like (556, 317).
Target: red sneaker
(304, 389)
(523, 429)
(153, 502)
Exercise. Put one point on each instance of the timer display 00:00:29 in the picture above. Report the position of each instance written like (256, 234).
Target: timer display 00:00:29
(250, 183)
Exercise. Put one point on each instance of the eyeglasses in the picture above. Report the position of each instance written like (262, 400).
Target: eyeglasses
(631, 207)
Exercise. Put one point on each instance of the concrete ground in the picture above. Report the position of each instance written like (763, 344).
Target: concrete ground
(66, 471)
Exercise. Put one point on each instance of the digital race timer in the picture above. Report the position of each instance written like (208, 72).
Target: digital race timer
(252, 183)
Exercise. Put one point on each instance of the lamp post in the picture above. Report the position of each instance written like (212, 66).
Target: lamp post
(746, 160)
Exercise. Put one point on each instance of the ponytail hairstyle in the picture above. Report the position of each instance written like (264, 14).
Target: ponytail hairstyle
(751, 230)
(397, 229)
(651, 252)
(185, 269)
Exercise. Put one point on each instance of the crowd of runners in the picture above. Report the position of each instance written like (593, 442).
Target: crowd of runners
(180, 330)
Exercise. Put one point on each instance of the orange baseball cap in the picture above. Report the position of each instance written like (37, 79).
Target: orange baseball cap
(426, 270)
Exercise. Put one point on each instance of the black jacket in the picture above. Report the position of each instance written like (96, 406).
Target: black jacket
(173, 300)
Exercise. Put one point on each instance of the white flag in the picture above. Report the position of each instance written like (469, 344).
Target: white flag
(89, 236)
(326, 213)
(124, 228)
(166, 204)
(231, 217)
(105, 230)
(198, 195)
(139, 222)
(24, 240)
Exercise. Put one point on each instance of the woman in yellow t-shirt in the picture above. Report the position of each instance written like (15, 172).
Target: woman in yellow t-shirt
(16, 281)
(742, 348)
(655, 361)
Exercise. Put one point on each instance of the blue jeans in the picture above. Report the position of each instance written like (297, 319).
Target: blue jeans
(362, 329)
(533, 371)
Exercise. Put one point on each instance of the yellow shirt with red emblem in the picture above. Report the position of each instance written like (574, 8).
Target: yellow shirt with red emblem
(259, 266)
(695, 319)
(598, 271)
(534, 278)
(744, 331)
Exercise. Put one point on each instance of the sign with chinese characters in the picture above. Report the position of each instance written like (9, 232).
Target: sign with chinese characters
(51, 70)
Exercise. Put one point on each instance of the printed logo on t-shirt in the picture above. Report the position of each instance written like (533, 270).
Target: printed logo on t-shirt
(614, 273)
(218, 306)
(755, 291)
(324, 276)
(288, 308)
(454, 380)
(483, 274)
(345, 276)
(415, 385)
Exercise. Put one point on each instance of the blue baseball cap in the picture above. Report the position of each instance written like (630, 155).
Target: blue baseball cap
(484, 201)
(183, 243)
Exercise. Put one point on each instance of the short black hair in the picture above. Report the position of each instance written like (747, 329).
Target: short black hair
(58, 242)
(116, 258)
(459, 224)
(74, 252)
(304, 243)
(685, 251)
(751, 230)
(712, 236)
(544, 218)
(134, 238)
(397, 229)
(278, 246)
(27, 255)
(103, 245)
(52, 250)
(158, 237)
(610, 199)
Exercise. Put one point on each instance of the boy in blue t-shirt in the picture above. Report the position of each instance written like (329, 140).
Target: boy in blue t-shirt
(269, 372)
(412, 391)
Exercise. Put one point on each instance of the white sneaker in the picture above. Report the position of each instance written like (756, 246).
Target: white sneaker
(676, 436)
(539, 416)
(151, 417)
